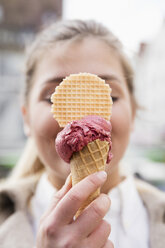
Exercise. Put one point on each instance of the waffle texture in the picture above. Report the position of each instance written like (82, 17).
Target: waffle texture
(81, 95)
(90, 159)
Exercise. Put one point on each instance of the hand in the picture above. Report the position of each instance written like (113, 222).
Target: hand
(58, 229)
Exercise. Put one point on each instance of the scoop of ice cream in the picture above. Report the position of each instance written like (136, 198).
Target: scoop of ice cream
(78, 134)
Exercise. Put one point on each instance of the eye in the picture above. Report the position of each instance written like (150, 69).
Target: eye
(48, 99)
(114, 99)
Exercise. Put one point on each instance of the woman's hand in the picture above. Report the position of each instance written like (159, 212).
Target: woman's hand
(58, 229)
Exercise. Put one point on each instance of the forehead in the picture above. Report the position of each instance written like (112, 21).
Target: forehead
(88, 55)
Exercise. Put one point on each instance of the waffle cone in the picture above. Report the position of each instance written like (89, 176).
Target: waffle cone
(90, 159)
(79, 95)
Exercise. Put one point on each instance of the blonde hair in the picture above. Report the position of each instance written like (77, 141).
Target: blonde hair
(62, 32)
(72, 30)
(29, 163)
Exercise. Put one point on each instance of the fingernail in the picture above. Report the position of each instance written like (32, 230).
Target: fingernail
(105, 200)
(102, 175)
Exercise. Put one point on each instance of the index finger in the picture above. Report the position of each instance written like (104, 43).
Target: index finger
(71, 202)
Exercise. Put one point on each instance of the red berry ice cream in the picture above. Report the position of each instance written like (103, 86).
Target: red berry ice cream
(77, 134)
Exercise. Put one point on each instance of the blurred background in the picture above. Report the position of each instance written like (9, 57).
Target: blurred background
(139, 24)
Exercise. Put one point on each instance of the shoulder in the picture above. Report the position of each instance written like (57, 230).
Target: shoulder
(149, 193)
(14, 195)
(154, 201)
(16, 231)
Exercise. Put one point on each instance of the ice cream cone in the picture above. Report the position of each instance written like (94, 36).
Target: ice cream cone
(82, 104)
(90, 159)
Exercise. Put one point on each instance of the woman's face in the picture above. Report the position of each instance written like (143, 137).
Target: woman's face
(92, 56)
